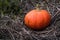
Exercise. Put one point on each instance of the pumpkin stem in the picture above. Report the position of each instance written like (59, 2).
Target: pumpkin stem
(37, 6)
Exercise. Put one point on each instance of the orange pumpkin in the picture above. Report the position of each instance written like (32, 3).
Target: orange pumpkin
(37, 19)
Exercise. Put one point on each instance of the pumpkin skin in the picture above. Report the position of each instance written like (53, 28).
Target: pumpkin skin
(37, 19)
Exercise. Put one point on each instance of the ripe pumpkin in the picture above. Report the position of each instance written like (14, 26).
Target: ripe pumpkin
(37, 19)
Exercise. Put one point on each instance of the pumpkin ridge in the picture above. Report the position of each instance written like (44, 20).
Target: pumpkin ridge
(44, 21)
(41, 20)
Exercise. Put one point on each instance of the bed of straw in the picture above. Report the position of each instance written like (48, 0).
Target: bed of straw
(12, 13)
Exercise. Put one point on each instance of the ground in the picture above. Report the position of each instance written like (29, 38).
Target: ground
(12, 26)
